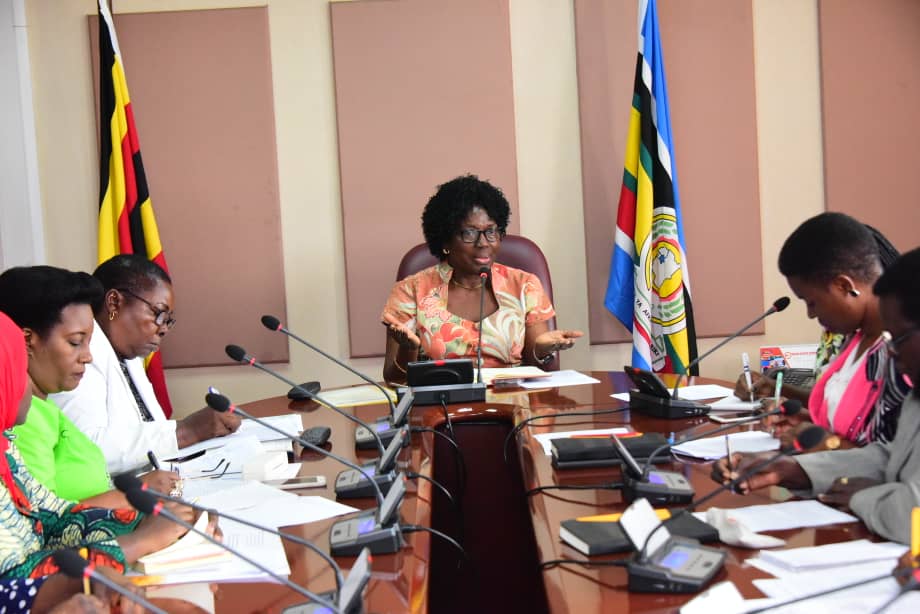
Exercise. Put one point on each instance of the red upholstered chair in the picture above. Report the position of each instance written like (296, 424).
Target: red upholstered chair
(516, 251)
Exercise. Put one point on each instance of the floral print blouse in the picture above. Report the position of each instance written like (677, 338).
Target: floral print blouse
(420, 301)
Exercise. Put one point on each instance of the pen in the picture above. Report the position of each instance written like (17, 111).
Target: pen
(746, 365)
(153, 460)
(779, 388)
(728, 453)
(84, 552)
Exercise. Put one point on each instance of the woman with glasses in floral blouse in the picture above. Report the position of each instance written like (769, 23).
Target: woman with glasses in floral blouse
(435, 313)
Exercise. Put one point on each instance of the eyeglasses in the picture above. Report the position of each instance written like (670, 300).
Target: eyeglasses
(161, 317)
(893, 344)
(471, 235)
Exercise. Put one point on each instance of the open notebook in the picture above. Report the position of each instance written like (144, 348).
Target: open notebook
(191, 550)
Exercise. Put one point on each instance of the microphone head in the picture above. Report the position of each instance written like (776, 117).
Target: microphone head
(809, 438)
(484, 272)
(142, 501)
(791, 407)
(271, 322)
(217, 402)
(126, 482)
(236, 353)
(781, 303)
(71, 563)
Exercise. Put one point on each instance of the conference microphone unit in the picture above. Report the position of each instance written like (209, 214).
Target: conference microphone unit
(385, 430)
(673, 564)
(653, 398)
(377, 483)
(351, 596)
(375, 529)
(147, 503)
(239, 354)
(75, 566)
(127, 482)
(790, 407)
(659, 487)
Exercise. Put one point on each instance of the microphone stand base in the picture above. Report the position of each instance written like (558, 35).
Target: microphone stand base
(349, 536)
(663, 407)
(451, 393)
(352, 485)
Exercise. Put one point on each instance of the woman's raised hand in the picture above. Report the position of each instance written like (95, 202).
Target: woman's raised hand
(553, 340)
(400, 333)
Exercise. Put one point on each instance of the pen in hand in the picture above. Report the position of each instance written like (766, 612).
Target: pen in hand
(779, 388)
(153, 460)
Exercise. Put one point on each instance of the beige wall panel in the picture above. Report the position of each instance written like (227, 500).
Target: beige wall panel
(708, 50)
(870, 74)
(201, 89)
(420, 99)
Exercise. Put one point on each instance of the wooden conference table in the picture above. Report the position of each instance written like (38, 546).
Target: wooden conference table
(506, 534)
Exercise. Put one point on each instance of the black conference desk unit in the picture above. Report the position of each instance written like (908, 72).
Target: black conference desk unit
(505, 533)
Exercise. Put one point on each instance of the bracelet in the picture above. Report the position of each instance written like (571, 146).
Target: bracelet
(542, 361)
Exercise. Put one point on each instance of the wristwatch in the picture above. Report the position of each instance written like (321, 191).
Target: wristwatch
(544, 360)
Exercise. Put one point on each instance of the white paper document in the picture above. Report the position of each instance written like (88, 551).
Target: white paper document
(691, 393)
(712, 448)
(546, 438)
(300, 510)
(557, 379)
(796, 560)
(356, 395)
(787, 515)
(489, 374)
(289, 423)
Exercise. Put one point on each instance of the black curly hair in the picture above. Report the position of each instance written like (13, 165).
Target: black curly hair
(832, 244)
(34, 297)
(451, 205)
(902, 280)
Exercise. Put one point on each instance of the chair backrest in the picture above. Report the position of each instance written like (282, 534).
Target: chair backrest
(516, 251)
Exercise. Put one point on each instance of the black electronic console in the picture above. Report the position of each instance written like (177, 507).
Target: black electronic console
(350, 484)
(377, 529)
(387, 428)
(666, 563)
(653, 398)
(659, 487)
(444, 381)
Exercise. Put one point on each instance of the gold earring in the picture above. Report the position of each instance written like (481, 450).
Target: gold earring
(112, 315)
(446, 251)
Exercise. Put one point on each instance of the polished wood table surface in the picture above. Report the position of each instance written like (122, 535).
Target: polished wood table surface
(506, 534)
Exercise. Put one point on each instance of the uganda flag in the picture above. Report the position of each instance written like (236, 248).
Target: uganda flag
(649, 287)
(126, 221)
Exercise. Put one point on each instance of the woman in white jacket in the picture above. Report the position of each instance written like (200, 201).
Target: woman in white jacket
(114, 404)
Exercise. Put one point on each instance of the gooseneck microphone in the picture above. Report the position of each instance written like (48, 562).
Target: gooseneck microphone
(778, 305)
(273, 323)
(127, 482)
(484, 276)
(239, 354)
(147, 503)
(219, 402)
(807, 439)
(75, 566)
(790, 408)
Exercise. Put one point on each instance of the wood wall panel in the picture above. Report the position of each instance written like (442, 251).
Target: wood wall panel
(708, 51)
(870, 54)
(201, 88)
(423, 94)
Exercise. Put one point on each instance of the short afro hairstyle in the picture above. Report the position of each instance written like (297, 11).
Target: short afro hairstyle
(34, 297)
(130, 272)
(451, 205)
(832, 244)
(902, 281)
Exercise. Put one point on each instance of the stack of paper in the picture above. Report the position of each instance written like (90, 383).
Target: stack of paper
(191, 551)
(787, 515)
(796, 560)
(712, 448)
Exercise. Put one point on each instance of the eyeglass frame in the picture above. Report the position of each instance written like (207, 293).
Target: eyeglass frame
(169, 322)
(497, 233)
(892, 344)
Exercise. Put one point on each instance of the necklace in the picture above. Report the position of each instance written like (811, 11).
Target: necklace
(457, 283)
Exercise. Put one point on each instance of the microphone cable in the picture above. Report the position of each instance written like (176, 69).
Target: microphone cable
(540, 489)
(544, 565)
(520, 425)
(460, 461)
(415, 528)
(412, 475)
